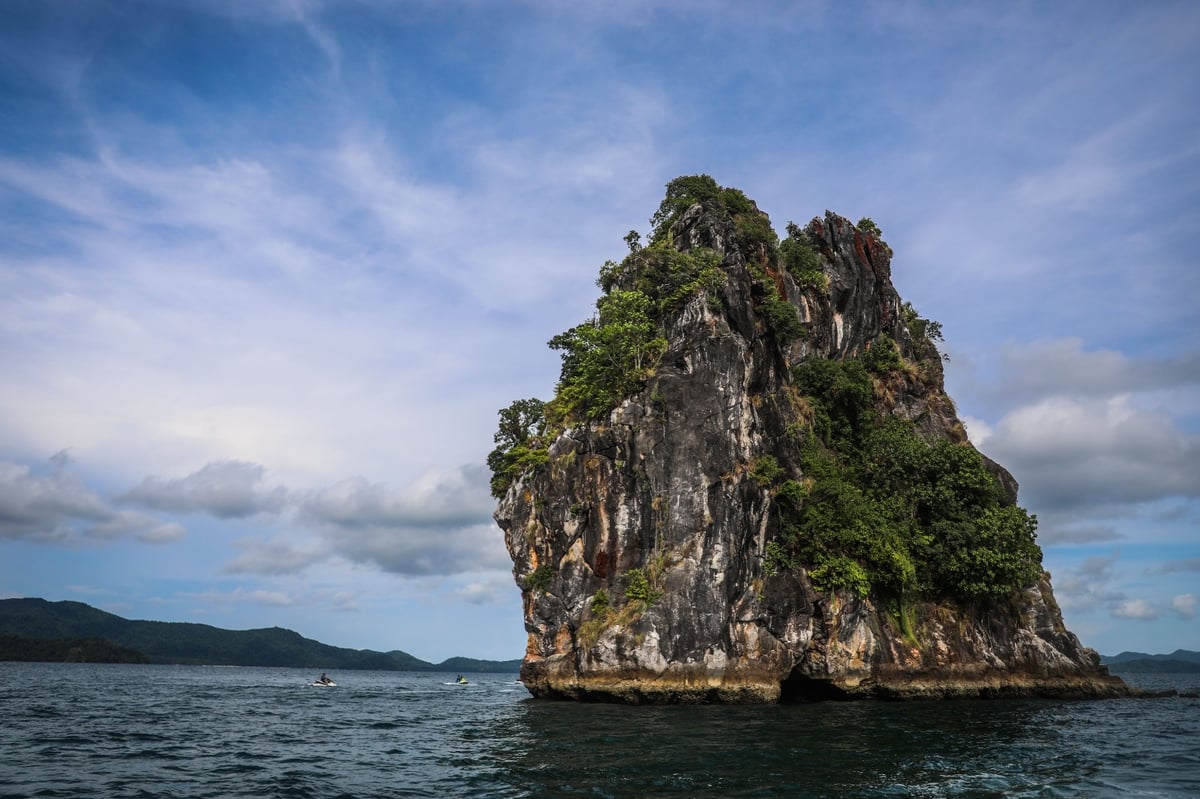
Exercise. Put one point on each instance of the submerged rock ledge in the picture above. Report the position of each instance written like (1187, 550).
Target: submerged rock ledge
(668, 544)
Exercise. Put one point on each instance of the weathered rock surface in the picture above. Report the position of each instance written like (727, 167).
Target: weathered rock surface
(662, 485)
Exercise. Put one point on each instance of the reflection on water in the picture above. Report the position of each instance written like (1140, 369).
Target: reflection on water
(957, 748)
(832, 749)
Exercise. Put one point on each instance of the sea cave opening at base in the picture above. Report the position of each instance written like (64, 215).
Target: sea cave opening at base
(799, 688)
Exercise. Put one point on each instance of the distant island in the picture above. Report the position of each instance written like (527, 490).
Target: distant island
(38, 630)
(1181, 661)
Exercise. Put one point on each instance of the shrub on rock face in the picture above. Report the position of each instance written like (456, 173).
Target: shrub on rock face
(921, 518)
(519, 448)
(607, 358)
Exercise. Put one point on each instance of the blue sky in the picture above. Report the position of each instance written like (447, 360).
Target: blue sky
(268, 270)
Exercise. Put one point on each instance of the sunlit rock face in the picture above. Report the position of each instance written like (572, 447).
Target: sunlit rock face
(649, 529)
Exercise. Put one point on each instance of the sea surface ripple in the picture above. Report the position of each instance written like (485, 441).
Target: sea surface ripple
(89, 730)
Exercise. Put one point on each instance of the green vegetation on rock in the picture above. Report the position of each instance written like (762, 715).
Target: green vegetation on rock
(802, 260)
(886, 510)
(518, 441)
(539, 579)
(684, 192)
(608, 357)
(639, 588)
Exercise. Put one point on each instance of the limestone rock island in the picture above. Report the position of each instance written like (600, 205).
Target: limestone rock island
(751, 486)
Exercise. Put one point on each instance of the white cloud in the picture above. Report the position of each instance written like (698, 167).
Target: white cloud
(126, 524)
(225, 489)
(1138, 609)
(416, 550)
(1090, 585)
(978, 431)
(343, 601)
(1064, 367)
(1184, 605)
(242, 595)
(1074, 453)
(487, 589)
(436, 499)
(275, 556)
(58, 508)
(439, 524)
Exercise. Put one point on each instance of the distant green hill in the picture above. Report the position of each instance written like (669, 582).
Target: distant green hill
(1181, 661)
(66, 650)
(190, 643)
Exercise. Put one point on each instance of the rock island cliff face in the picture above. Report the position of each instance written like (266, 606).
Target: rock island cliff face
(752, 487)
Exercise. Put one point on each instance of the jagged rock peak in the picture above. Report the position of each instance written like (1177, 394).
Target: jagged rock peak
(750, 486)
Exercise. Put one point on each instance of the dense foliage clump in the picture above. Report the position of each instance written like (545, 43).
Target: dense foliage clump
(802, 260)
(518, 442)
(608, 357)
(684, 192)
(883, 509)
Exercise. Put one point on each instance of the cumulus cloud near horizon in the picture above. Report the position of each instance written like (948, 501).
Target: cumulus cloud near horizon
(1104, 450)
(1090, 434)
(225, 489)
(57, 508)
(1065, 366)
(1137, 609)
(1092, 586)
(438, 525)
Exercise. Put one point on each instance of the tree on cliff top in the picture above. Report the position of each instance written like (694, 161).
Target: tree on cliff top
(684, 192)
(518, 447)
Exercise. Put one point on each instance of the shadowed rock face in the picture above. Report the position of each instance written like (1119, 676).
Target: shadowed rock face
(659, 494)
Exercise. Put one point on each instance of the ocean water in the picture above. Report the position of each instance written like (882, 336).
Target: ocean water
(85, 730)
